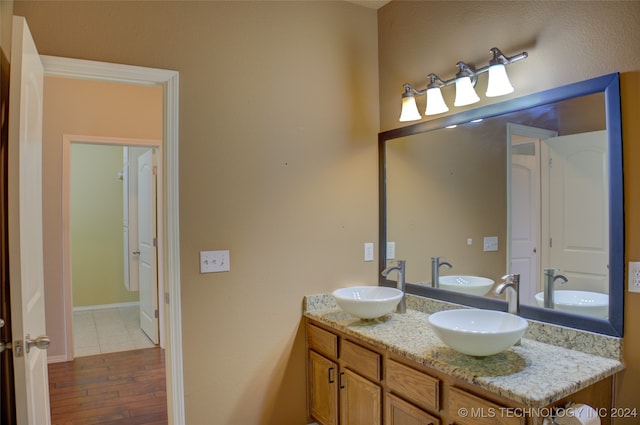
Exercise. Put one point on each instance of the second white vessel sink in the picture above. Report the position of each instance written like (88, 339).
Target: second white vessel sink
(367, 302)
(580, 302)
(474, 285)
(478, 332)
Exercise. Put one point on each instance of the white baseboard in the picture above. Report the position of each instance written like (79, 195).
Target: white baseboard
(105, 306)
(57, 359)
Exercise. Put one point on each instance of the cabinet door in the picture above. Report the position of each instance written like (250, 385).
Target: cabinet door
(360, 400)
(323, 389)
(399, 412)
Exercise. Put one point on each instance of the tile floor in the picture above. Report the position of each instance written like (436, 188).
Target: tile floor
(108, 331)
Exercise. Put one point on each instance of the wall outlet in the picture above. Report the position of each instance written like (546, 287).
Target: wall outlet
(368, 251)
(214, 261)
(634, 276)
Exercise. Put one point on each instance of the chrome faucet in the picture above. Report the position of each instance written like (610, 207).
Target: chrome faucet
(512, 285)
(398, 266)
(550, 278)
(435, 270)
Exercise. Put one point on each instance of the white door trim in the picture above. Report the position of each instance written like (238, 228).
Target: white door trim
(168, 80)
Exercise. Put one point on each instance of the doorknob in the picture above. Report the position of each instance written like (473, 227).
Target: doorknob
(42, 342)
(136, 253)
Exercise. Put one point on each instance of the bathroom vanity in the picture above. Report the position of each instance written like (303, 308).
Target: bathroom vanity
(395, 371)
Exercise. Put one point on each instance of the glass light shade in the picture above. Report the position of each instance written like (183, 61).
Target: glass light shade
(465, 94)
(499, 84)
(409, 109)
(435, 102)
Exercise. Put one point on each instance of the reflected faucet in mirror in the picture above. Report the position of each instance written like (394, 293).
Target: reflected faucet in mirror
(550, 278)
(398, 266)
(435, 270)
(512, 285)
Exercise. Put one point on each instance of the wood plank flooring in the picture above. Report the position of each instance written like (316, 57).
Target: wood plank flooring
(125, 388)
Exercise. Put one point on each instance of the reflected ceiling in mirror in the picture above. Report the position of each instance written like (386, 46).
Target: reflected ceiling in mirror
(444, 191)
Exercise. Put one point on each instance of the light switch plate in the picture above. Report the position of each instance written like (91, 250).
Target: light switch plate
(368, 251)
(391, 250)
(490, 243)
(214, 261)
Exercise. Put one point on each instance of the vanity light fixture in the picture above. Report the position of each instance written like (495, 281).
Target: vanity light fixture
(465, 81)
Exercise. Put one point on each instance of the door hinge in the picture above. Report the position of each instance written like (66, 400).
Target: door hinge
(155, 242)
(166, 298)
(550, 162)
(550, 242)
(155, 170)
(156, 314)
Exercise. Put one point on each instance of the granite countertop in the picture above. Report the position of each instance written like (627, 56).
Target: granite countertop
(533, 373)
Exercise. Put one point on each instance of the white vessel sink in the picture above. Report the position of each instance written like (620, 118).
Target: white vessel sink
(478, 332)
(580, 302)
(474, 285)
(367, 302)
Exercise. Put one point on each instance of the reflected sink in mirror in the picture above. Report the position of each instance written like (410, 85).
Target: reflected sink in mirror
(473, 285)
(478, 332)
(367, 302)
(581, 302)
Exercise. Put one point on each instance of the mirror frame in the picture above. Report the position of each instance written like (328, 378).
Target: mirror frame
(610, 86)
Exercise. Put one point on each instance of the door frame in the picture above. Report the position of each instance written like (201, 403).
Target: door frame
(67, 141)
(168, 81)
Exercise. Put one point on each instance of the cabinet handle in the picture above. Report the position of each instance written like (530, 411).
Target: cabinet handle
(330, 375)
(340, 384)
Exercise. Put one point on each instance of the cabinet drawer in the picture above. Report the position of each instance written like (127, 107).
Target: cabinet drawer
(324, 342)
(412, 385)
(478, 411)
(361, 360)
(399, 412)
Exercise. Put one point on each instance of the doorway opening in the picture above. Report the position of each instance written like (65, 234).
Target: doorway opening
(168, 201)
(113, 238)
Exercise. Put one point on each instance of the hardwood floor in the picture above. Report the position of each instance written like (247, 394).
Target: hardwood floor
(125, 388)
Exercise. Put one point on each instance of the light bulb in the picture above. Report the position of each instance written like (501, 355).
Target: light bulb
(465, 94)
(409, 109)
(499, 84)
(435, 102)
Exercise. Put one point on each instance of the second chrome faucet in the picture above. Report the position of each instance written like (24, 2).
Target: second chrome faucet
(398, 266)
(435, 270)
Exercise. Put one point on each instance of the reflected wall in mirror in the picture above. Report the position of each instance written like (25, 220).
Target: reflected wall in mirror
(530, 186)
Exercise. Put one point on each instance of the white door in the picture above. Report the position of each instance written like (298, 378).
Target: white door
(25, 229)
(578, 210)
(525, 219)
(147, 246)
(525, 216)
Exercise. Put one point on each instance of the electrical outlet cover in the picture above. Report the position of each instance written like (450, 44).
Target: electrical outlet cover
(214, 261)
(634, 276)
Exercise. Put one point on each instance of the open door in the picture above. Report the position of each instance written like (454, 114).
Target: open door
(25, 229)
(147, 246)
(579, 198)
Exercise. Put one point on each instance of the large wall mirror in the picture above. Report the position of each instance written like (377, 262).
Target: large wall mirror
(531, 186)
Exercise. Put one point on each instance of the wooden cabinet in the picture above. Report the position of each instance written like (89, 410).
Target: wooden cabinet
(399, 412)
(352, 382)
(343, 386)
(323, 389)
(360, 400)
(468, 409)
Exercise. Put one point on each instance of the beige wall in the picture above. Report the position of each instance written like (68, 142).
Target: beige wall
(566, 41)
(441, 193)
(87, 108)
(278, 123)
(96, 212)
